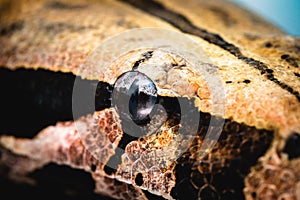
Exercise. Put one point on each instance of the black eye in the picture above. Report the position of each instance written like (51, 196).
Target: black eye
(134, 96)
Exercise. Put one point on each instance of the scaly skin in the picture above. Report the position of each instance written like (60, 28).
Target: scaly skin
(258, 64)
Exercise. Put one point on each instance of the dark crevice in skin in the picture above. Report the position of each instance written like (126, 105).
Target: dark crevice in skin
(64, 6)
(52, 182)
(115, 160)
(60, 27)
(292, 146)
(238, 148)
(63, 182)
(270, 71)
(182, 23)
(9, 29)
(247, 81)
(146, 56)
(126, 139)
(292, 61)
(268, 44)
(223, 16)
(139, 179)
(34, 99)
(297, 74)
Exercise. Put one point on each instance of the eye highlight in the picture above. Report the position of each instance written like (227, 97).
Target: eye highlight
(134, 96)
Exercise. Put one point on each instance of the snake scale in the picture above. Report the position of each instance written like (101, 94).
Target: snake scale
(44, 45)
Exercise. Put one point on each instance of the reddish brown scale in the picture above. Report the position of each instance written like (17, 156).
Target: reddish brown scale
(76, 151)
(274, 178)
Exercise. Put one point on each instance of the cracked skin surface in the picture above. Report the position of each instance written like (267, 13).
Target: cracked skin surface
(59, 36)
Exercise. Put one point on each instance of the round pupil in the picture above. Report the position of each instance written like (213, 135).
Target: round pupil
(134, 96)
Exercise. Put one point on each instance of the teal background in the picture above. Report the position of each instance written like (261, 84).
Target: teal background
(285, 14)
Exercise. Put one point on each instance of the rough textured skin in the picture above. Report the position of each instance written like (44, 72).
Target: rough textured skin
(275, 178)
(262, 94)
(63, 145)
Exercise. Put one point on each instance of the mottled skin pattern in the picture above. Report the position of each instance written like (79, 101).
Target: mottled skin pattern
(68, 150)
(258, 64)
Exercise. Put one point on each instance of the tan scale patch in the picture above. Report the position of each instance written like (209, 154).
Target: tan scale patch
(153, 157)
(61, 40)
(101, 135)
(215, 15)
(274, 178)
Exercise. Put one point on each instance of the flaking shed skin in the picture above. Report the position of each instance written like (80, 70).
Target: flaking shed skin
(258, 149)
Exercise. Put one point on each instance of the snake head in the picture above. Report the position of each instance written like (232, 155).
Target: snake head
(155, 122)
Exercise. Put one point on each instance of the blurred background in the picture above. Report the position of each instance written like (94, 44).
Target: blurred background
(283, 13)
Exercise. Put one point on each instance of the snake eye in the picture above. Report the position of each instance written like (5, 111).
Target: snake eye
(134, 96)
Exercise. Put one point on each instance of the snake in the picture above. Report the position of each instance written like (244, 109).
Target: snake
(161, 124)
